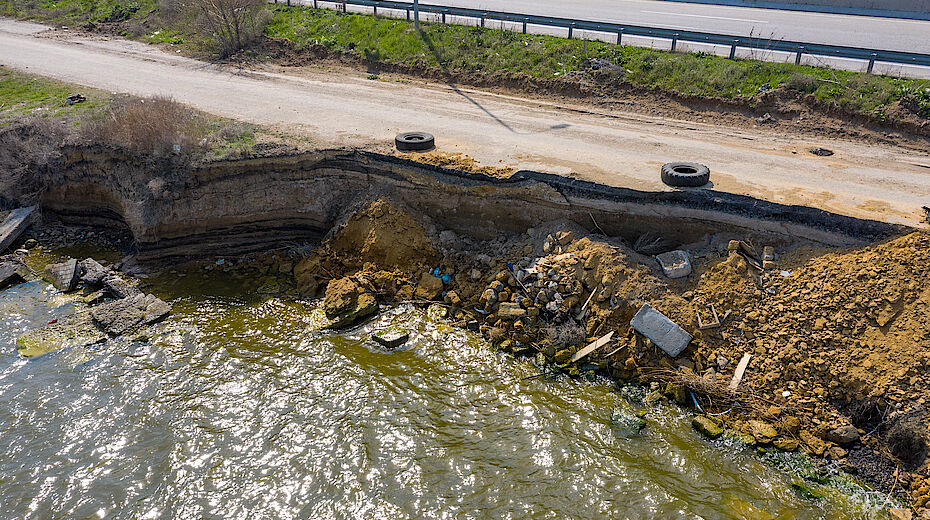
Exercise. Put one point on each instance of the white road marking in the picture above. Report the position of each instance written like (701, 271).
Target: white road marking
(704, 16)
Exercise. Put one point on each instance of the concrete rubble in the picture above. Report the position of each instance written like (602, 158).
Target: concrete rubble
(14, 225)
(660, 330)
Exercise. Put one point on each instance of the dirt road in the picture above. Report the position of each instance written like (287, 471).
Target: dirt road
(339, 108)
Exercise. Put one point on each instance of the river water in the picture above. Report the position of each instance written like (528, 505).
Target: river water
(235, 407)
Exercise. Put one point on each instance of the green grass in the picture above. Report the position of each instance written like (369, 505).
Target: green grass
(79, 11)
(489, 51)
(23, 95)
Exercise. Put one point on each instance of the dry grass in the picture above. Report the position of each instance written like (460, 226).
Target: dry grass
(157, 126)
(719, 396)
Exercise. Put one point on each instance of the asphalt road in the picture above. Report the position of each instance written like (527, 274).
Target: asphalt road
(834, 29)
(345, 109)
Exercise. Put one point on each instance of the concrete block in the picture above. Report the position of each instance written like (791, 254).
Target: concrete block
(13, 226)
(660, 330)
(675, 264)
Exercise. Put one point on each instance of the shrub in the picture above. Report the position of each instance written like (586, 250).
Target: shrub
(802, 82)
(157, 126)
(233, 24)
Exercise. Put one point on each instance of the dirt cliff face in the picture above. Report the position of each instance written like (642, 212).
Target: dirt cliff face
(236, 207)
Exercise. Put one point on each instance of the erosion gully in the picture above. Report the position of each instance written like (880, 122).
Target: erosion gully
(238, 407)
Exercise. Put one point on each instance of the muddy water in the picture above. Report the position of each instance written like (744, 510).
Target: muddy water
(236, 408)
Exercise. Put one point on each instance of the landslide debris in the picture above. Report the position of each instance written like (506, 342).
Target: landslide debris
(827, 330)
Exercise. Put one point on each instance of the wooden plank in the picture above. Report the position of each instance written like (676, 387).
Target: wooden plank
(15, 224)
(594, 345)
(740, 370)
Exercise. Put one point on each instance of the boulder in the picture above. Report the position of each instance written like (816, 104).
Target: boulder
(763, 432)
(77, 330)
(706, 426)
(92, 273)
(128, 313)
(63, 276)
(346, 302)
(429, 288)
(844, 435)
(786, 444)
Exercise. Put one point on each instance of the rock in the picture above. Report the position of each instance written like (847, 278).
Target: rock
(453, 298)
(844, 435)
(511, 311)
(128, 313)
(77, 330)
(806, 490)
(437, 312)
(346, 302)
(744, 438)
(706, 426)
(675, 264)
(12, 272)
(475, 275)
(562, 356)
(815, 445)
(31, 244)
(763, 432)
(307, 275)
(92, 273)
(63, 276)
(786, 444)
(119, 288)
(429, 287)
(95, 297)
(626, 422)
(606, 69)
(391, 337)
(566, 237)
(15, 223)
(660, 330)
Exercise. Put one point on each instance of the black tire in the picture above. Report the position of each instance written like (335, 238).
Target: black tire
(414, 141)
(685, 174)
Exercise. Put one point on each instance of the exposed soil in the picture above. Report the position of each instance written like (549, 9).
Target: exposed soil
(457, 161)
(827, 329)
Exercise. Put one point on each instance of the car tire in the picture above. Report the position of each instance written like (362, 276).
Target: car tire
(414, 141)
(685, 174)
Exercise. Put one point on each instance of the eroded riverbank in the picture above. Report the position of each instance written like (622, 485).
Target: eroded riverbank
(541, 266)
(237, 405)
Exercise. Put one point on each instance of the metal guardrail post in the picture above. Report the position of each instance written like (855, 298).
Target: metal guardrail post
(443, 17)
(797, 58)
(620, 37)
(482, 19)
(733, 49)
(524, 26)
(375, 12)
(314, 4)
(871, 63)
(674, 42)
(344, 6)
(571, 28)
(416, 14)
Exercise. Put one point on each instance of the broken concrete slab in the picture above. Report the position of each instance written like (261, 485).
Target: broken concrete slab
(77, 330)
(119, 288)
(92, 273)
(122, 315)
(660, 330)
(63, 276)
(13, 272)
(14, 225)
(675, 264)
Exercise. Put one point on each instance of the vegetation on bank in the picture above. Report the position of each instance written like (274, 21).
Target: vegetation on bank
(157, 126)
(465, 48)
(187, 25)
